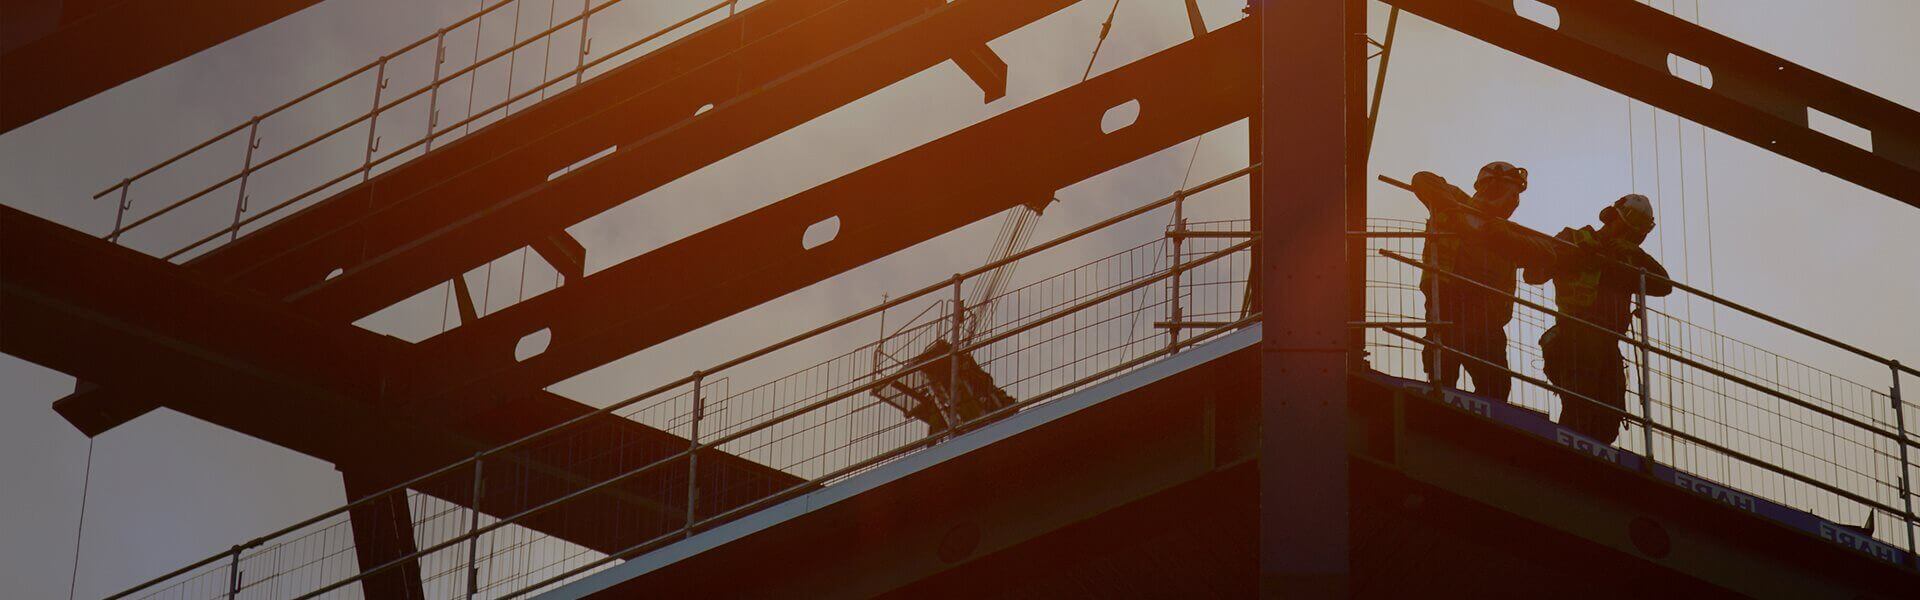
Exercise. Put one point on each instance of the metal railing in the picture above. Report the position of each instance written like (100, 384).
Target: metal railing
(505, 522)
(373, 79)
(1702, 403)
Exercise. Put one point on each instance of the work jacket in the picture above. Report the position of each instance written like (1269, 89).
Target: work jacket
(1595, 280)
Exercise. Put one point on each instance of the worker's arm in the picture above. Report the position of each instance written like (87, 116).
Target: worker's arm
(1436, 194)
(1540, 272)
(1527, 248)
(1658, 282)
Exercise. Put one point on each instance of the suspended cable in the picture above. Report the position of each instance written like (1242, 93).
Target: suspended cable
(1104, 29)
(86, 484)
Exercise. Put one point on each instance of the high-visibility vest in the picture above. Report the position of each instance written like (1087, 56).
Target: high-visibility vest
(1576, 291)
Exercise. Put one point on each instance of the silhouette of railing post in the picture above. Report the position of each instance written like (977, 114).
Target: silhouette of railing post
(433, 94)
(953, 357)
(120, 214)
(1646, 371)
(246, 172)
(233, 574)
(473, 525)
(1438, 346)
(586, 43)
(693, 451)
(1179, 235)
(1906, 466)
(373, 119)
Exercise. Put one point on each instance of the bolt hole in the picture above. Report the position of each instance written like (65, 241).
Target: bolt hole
(820, 233)
(1538, 12)
(1120, 117)
(532, 344)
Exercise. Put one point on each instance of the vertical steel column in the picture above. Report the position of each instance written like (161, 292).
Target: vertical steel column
(246, 172)
(586, 43)
(1313, 56)
(433, 95)
(373, 119)
(473, 525)
(1646, 371)
(693, 451)
(1906, 467)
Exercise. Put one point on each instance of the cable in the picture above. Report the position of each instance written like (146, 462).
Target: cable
(86, 483)
(1104, 29)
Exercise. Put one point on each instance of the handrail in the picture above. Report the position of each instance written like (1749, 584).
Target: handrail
(1709, 296)
(1651, 425)
(432, 134)
(288, 104)
(1829, 413)
(790, 341)
(798, 412)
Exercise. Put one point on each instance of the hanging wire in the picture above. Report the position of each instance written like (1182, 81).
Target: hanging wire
(1104, 29)
(86, 484)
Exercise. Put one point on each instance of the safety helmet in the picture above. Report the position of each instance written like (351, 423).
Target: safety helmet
(1501, 170)
(1633, 210)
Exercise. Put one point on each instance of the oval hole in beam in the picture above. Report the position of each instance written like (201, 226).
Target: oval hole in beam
(820, 233)
(335, 272)
(532, 344)
(1120, 116)
(1538, 12)
(703, 109)
(1690, 71)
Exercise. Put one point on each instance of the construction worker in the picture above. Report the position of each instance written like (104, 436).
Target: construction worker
(1595, 277)
(1471, 240)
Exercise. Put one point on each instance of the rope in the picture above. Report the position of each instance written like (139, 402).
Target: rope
(86, 483)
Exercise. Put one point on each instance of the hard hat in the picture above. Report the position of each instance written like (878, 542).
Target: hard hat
(1634, 210)
(1501, 170)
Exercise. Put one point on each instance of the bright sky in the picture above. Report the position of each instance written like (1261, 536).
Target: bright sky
(167, 489)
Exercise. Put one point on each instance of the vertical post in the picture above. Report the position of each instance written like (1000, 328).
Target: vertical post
(1435, 329)
(473, 525)
(693, 451)
(433, 95)
(233, 575)
(1310, 116)
(246, 172)
(120, 214)
(373, 119)
(1646, 371)
(953, 358)
(1179, 236)
(586, 43)
(1906, 467)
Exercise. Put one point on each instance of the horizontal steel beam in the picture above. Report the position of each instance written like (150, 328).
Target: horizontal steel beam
(1027, 152)
(438, 195)
(464, 223)
(1755, 96)
(238, 359)
(59, 53)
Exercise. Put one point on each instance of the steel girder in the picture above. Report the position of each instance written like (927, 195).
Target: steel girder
(59, 53)
(1313, 193)
(775, 53)
(240, 360)
(1026, 153)
(1755, 96)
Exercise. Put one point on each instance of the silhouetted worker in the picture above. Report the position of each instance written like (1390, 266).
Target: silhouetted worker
(1473, 244)
(1595, 281)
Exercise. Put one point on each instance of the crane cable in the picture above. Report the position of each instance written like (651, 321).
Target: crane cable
(86, 483)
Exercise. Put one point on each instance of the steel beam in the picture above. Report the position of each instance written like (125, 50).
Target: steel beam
(907, 199)
(1755, 96)
(1313, 53)
(771, 67)
(463, 223)
(383, 532)
(240, 360)
(59, 53)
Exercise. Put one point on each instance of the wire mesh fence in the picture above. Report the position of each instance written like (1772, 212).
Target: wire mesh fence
(722, 442)
(1721, 409)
